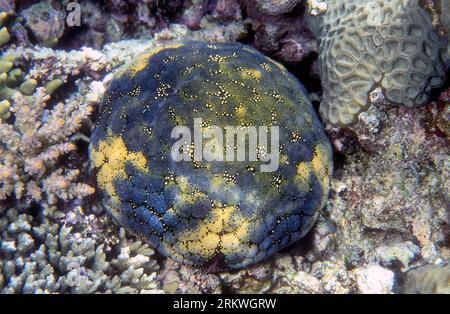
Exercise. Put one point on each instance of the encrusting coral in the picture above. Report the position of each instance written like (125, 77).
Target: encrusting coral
(367, 44)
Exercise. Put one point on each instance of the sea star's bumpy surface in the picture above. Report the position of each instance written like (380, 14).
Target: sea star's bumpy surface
(366, 44)
(197, 212)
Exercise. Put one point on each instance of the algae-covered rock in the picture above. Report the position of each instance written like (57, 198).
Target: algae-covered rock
(45, 23)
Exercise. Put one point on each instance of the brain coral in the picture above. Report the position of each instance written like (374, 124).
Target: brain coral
(444, 17)
(443, 7)
(214, 214)
(365, 44)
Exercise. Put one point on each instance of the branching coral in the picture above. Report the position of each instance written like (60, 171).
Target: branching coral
(55, 249)
(47, 254)
(32, 146)
(13, 79)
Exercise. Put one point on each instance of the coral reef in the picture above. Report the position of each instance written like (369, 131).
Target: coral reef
(374, 43)
(35, 134)
(285, 273)
(393, 191)
(46, 24)
(383, 230)
(56, 245)
(34, 144)
(280, 31)
(374, 279)
(279, 27)
(276, 7)
(427, 280)
(12, 29)
(208, 211)
(120, 20)
(45, 250)
(47, 253)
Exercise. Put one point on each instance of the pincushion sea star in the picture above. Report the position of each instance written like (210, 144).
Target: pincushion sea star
(198, 212)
